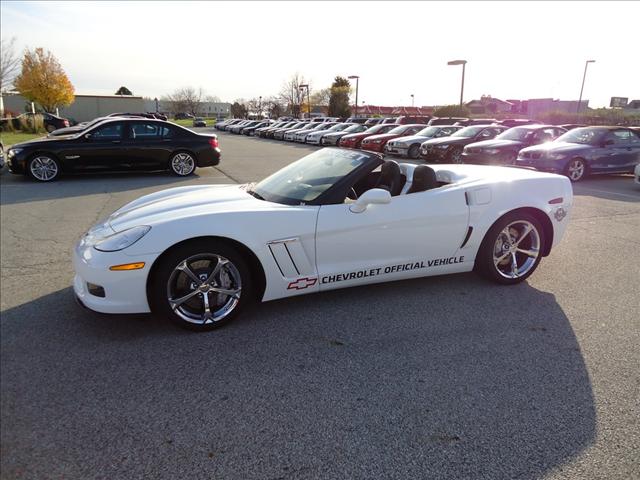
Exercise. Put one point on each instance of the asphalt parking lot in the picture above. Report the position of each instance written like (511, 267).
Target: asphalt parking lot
(444, 377)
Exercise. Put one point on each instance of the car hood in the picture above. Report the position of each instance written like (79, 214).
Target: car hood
(411, 139)
(182, 202)
(559, 147)
(495, 143)
(41, 141)
(382, 136)
(448, 140)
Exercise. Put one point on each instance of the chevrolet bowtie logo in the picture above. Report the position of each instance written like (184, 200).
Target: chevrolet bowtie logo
(302, 283)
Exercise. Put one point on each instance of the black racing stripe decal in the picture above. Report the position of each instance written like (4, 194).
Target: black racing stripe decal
(275, 260)
(291, 258)
(466, 239)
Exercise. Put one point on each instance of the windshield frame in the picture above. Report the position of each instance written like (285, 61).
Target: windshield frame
(335, 193)
(600, 134)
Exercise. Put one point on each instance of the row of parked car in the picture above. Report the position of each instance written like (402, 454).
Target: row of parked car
(572, 149)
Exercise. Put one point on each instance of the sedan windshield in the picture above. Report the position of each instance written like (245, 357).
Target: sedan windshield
(355, 128)
(518, 134)
(308, 178)
(468, 132)
(339, 127)
(428, 132)
(585, 136)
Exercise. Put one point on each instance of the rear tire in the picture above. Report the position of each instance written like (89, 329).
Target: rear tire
(193, 270)
(512, 248)
(182, 164)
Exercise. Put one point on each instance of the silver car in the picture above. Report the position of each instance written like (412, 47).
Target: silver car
(333, 138)
(409, 146)
(301, 136)
(315, 138)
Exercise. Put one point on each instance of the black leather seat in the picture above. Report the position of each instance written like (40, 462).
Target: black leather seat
(390, 178)
(424, 178)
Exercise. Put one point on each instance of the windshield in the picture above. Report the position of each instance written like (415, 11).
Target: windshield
(399, 130)
(308, 178)
(468, 132)
(428, 132)
(380, 129)
(585, 136)
(355, 128)
(517, 134)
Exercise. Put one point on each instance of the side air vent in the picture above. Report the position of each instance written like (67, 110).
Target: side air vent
(290, 257)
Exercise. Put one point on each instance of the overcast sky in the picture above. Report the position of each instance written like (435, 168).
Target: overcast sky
(245, 49)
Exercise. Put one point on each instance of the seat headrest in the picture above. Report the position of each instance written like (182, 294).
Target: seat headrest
(391, 177)
(424, 178)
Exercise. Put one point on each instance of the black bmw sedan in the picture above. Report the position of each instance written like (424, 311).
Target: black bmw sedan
(116, 144)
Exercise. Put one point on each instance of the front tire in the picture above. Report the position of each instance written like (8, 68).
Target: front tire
(511, 250)
(43, 168)
(182, 164)
(576, 170)
(455, 155)
(200, 285)
(414, 152)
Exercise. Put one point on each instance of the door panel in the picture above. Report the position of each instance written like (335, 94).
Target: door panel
(379, 243)
(147, 150)
(103, 150)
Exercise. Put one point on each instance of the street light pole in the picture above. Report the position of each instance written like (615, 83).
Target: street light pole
(306, 85)
(412, 99)
(464, 64)
(260, 106)
(586, 64)
(357, 78)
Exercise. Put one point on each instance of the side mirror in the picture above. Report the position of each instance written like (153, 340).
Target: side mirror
(370, 197)
(87, 135)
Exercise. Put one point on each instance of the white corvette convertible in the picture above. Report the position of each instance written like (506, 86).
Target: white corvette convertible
(333, 219)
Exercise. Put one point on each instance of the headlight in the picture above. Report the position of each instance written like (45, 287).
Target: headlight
(122, 240)
(13, 152)
(491, 151)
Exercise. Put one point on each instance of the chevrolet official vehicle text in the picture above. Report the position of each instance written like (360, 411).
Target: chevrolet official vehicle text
(335, 218)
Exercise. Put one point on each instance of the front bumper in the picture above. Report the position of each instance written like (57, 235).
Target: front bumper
(372, 147)
(124, 291)
(544, 165)
(396, 150)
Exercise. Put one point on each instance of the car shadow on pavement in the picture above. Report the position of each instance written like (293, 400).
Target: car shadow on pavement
(620, 188)
(444, 377)
(20, 189)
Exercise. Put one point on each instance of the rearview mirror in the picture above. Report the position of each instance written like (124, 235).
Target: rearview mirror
(370, 197)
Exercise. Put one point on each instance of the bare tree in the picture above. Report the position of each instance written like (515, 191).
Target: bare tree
(212, 99)
(273, 106)
(321, 97)
(291, 94)
(9, 63)
(186, 99)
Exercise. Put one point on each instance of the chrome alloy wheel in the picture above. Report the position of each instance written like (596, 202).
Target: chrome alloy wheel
(204, 288)
(43, 168)
(183, 164)
(576, 170)
(516, 249)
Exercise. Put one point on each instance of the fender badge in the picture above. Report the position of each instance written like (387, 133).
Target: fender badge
(302, 283)
(560, 214)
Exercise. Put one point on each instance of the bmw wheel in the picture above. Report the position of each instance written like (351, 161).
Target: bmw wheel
(455, 155)
(511, 250)
(182, 164)
(200, 285)
(576, 170)
(414, 151)
(43, 168)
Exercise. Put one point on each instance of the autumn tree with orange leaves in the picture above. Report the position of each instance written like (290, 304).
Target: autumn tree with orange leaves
(43, 81)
